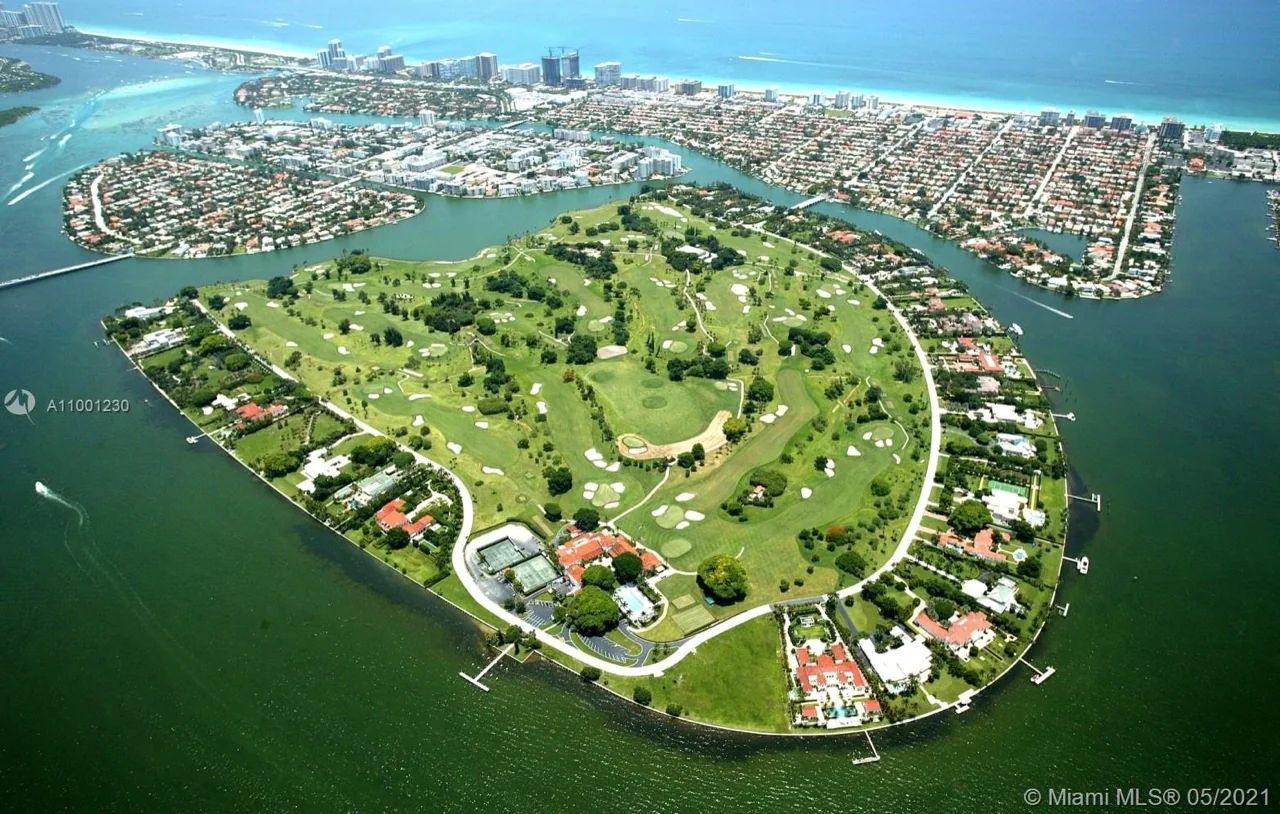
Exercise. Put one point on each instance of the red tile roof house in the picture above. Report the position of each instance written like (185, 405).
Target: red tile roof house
(587, 547)
(251, 412)
(392, 516)
(828, 670)
(982, 546)
(972, 630)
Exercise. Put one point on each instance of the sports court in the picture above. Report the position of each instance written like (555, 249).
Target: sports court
(535, 573)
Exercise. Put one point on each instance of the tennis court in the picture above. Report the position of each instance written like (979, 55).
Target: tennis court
(535, 573)
(501, 555)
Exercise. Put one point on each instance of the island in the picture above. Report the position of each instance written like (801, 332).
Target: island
(17, 76)
(10, 115)
(374, 95)
(741, 464)
(291, 184)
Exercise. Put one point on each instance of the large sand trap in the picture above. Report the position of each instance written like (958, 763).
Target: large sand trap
(710, 438)
(611, 352)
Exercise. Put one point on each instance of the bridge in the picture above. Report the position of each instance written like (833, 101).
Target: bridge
(31, 278)
(816, 199)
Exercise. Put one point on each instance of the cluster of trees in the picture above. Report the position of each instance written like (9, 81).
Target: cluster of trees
(814, 345)
(877, 593)
(449, 312)
(596, 259)
(633, 222)
(513, 284)
(722, 256)
(703, 367)
(582, 350)
(280, 287)
(356, 262)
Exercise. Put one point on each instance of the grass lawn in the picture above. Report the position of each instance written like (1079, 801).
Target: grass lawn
(736, 679)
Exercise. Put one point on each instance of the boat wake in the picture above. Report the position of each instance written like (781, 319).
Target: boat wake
(94, 562)
(21, 181)
(1050, 308)
(82, 517)
(22, 196)
(35, 155)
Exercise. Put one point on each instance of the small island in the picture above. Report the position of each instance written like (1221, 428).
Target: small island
(741, 464)
(17, 76)
(10, 115)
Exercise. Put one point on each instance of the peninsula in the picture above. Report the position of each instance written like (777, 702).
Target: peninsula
(292, 184)
(743, 464)
(17, 76)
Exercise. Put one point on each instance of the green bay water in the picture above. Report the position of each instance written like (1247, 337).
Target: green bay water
(178, 637)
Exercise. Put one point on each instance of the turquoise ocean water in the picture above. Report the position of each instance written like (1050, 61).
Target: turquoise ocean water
(1204, 62)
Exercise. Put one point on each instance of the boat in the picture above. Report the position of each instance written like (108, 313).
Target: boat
(1042, 677)
(1082, 565)
(1015, 329)
(193, 439)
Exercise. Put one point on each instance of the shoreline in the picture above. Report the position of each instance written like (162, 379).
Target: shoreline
(924, 98)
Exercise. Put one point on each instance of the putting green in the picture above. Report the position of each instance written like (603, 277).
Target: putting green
(683, 601)
(595, 326)
(882, 433)
(653, 402)
(678, 346)
(605, 494)
(676, 548)
(669, 518)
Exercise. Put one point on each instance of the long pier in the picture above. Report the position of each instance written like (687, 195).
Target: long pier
(31, 278)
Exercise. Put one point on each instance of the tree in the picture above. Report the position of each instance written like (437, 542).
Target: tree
(600, 576)
(735, 428)
(642, 695)
(627, 567)
(686, 460)
(392, 337)
(396, 539)
(278, 464)
(279, 287)
(344, 326)
(582, 350)
(723, 578)
(1029, 568)
(851, 562)
(235, 361)
(591, 611)
(589, 673)
(760, 390)
(559, 479)
(586, 519)
(970, 517)
(553, 512)
(239, 322)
